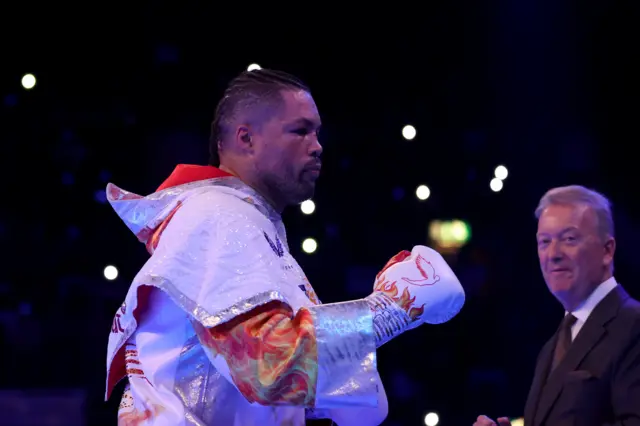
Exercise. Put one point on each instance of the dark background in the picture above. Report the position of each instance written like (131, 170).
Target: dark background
(124, 93)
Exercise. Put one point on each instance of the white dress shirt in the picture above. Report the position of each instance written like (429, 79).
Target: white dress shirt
(584, 310)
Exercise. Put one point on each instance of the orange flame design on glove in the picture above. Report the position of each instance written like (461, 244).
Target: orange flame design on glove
(405, 300)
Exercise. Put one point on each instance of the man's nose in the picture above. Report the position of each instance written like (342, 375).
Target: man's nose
(316, 148)
(555, 251)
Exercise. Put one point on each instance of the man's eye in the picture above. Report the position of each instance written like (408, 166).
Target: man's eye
(301, 132)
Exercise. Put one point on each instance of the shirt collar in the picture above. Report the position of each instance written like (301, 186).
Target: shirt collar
(583, 311)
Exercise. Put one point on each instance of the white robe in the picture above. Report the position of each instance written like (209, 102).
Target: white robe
(223, 253)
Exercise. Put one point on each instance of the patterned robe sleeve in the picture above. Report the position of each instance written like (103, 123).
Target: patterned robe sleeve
(272, 355)
(273, 360)
(277, 358)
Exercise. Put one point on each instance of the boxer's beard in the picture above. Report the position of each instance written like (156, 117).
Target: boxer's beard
(288, 190)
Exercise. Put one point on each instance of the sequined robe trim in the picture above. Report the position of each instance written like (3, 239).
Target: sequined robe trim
(206, 318)
(203, 391)
(347, 374)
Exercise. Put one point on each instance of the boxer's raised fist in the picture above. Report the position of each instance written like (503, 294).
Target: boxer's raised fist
(422, 284)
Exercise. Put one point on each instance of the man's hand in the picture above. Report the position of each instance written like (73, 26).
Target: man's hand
(486, 421)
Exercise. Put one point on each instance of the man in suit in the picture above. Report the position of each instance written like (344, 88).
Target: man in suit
(588, 373)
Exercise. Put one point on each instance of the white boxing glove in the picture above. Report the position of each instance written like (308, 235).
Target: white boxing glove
(414, 288)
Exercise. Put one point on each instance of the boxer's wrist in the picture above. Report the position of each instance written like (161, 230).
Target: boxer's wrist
(389, 319)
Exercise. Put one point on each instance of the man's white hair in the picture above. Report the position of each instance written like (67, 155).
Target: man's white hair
(579, 195)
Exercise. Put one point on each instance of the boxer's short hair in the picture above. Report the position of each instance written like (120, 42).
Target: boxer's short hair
(249, 90)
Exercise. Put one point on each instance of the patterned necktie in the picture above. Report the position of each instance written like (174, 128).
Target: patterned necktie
(564, 340)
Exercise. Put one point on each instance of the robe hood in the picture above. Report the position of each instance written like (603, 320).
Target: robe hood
(147, 216)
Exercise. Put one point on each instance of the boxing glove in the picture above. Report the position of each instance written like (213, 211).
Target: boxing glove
(414, 288)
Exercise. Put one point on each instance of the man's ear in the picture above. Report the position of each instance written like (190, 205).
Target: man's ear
(609, 250)
(243, 137)
(243, 134)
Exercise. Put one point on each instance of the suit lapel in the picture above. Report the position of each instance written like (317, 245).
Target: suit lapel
(591, 333)
(588, 337)
(539, 380)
